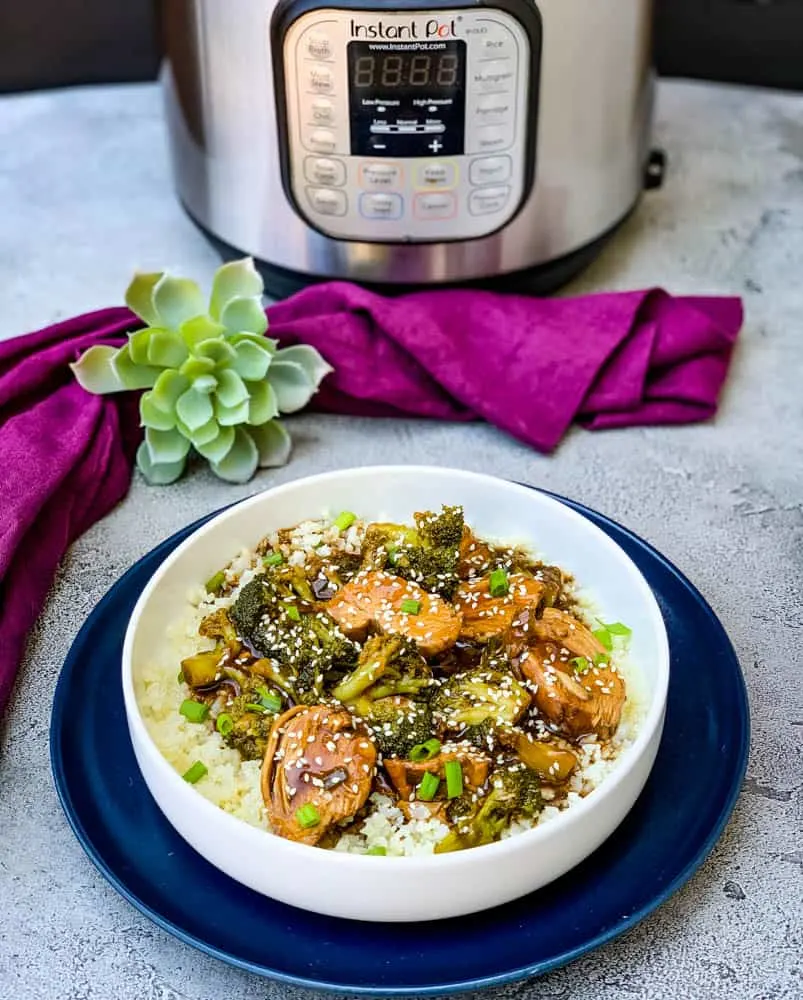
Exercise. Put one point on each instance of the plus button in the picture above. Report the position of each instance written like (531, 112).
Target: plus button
(435, 145)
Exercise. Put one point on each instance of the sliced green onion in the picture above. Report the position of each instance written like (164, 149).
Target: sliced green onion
(272, 702)
(378, 851)
(253, 706)
(410, 607)
(600, 659)
(454, 779)
(604, 637)
(425, 751)
(293, 613)
(215, 583)
(273, 559)
(344, 520)
(428, 787)
(617, 628)
(498, 583)
(581, 664)
(224, 724)
(180, 677)
(196, 772)
(194, 711)
(393, 554)
(308, 816)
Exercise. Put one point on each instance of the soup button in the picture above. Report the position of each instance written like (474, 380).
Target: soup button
(486, 201)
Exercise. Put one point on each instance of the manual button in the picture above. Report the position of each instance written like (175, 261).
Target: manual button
(326, 201)
(380, 175)
(486, 201)
(435, 205)
(490, 170)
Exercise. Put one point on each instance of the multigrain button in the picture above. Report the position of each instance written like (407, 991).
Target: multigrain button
(380, 175)
(322, 111)
(486, 201)
(321, 80)
(436, 175)
(496, 75)
(319, 46)
(323, 140)
(435, 205)
(327, 201)
(490, 170)
(493, 109)
(381, 206)
(320, 170)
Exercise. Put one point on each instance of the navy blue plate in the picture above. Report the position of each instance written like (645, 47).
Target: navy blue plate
(665, 838)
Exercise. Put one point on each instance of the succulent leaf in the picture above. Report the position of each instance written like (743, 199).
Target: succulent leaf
(245, 316)
(166, 447)
(273, 444)
(217, 449)
(237, 279)
(216, 350)
(131, 375)
(194, 408)
(138, 345)
(231, 390)
(200, 328)
(240, 463)
(205, 383)
(316, 367)
(195, 367)
(161, 474)
(151, 415)
(230, 416)
(291, 384)
(177, 300)
(267, 343)
(201, 435)
(263, 405)
(167, 388)
(166, 349)
(139, 296)
(95, 372)
(252, 361)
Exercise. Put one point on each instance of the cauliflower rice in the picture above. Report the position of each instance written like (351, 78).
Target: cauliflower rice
(233, 784)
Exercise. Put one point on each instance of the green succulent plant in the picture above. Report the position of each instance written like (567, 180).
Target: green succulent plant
(214, 382)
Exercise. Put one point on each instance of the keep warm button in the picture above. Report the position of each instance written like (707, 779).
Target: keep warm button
(486, 201)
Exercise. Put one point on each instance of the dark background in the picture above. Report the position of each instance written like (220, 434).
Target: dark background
(50, 43)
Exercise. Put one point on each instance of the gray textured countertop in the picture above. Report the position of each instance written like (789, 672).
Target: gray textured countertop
(85, 198)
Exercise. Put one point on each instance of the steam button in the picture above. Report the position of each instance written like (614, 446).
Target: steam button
(327, 201)
(490, 138)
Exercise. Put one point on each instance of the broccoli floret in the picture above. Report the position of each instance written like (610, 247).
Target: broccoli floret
(441, 531)
(251, 604)
(480, 697)
(398, 725)
(515, 793)
(387, 665)
(251, 730)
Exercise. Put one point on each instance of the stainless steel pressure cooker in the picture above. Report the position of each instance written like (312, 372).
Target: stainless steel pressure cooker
(419, 143)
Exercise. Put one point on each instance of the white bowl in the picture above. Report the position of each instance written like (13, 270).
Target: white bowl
(410, 888)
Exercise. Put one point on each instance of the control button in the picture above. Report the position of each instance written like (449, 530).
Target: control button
(436, 145)
(322, 111)
(497, 76)
(332, 173)
(493, 109)
(436, 174)
(323, 140)
(326, 201)
(497, 45)
(380, 175)
(490, 170)
(435, 205)
(486, 201)
(381, 206)
(321, 79)
(319, 46)
(490, 139)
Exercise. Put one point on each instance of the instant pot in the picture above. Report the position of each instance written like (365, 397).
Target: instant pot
(413, 144)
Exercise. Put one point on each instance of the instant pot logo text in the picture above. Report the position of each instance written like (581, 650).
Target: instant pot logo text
(432, 28)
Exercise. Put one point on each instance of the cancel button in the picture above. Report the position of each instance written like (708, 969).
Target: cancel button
(486, 201)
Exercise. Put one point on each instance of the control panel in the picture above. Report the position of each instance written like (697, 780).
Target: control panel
(407, 126)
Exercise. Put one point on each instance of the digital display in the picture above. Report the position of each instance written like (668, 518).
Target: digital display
(407, 98)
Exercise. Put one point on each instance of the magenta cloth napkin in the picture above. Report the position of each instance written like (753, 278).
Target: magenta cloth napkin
(529, 366)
